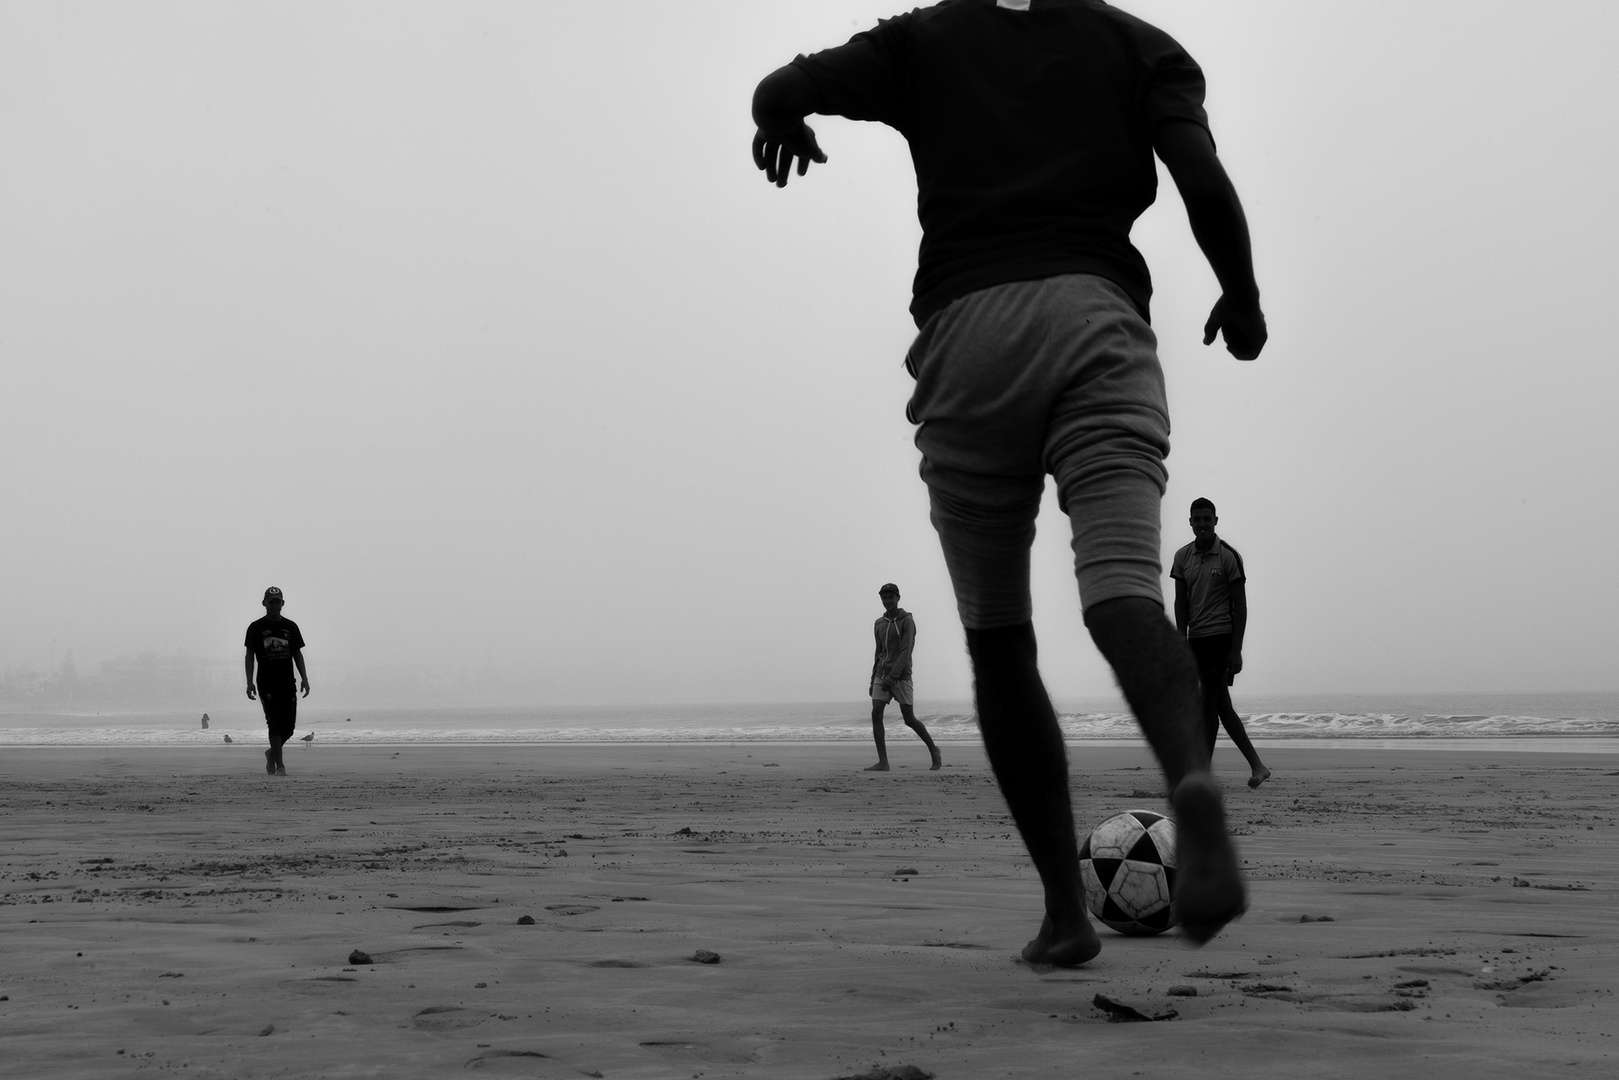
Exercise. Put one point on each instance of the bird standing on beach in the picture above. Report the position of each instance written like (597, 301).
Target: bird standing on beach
(307, 739)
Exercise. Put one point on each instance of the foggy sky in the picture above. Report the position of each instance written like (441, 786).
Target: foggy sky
(474, 329)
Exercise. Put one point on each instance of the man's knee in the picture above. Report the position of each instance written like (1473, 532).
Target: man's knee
(1124, 617)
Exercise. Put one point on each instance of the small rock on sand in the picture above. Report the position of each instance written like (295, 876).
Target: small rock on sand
(905, 871)
(703, 956)
(1316, 918)
(358, 957)
(890, 1072)
(526, 920)
(1119, 1012)
(1182, 991)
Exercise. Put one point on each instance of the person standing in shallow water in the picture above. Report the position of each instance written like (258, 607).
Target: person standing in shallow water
(1032, 127)
(277, 646)
(895, 632)
(1211, 609)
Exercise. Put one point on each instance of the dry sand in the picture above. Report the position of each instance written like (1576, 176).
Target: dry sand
(185, 913)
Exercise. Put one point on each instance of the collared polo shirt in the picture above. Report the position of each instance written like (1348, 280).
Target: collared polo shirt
(1209, 576)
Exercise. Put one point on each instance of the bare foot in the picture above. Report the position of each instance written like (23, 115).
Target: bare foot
(1071, 946)
(938, 759)
(1208, 883)
(281, 770)
(269, 762)
(1260, 775)
(881, 766)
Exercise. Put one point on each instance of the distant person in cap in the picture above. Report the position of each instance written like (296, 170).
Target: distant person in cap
(891, 675)
(1211, 609)
(277, 646)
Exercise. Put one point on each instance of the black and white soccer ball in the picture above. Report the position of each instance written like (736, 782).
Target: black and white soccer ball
(1128, 867)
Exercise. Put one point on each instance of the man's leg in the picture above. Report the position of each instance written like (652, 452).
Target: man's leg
(1156, 671)
(877, 736)
(1026, 752)
(1210, 655)
(908, 714)
(1257, 773)
(267, 703)
(283, 706)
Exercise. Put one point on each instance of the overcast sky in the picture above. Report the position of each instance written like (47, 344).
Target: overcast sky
(473, 328)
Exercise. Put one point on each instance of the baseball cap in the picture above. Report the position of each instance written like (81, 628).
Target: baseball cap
(890, 587)
(272, 595)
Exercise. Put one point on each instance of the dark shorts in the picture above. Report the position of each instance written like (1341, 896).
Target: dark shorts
(280, 709)
(1212, 653)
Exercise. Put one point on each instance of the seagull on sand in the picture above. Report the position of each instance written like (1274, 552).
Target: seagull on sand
(307, 739)
(229, 739)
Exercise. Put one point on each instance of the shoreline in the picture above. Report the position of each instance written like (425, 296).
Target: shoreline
(1535, 744)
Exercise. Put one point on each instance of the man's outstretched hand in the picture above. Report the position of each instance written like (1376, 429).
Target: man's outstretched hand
(1243, 325)
(774, 152)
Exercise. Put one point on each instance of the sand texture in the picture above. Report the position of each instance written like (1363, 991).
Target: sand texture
(1428, 914)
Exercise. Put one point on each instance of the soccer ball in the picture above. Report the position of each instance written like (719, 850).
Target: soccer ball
(1128, 867)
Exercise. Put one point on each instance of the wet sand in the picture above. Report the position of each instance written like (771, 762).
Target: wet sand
(1427, 914)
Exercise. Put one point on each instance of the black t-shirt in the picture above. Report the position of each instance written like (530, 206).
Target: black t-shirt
(1031, 133)
(273, 641)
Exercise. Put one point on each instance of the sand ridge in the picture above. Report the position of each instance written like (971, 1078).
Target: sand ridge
(1424, 914)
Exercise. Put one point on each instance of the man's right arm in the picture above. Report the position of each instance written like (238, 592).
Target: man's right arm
(780, 103)
(247, 662)
(1221, 230)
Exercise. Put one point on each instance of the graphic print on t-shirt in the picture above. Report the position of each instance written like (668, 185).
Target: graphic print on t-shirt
(276, 643)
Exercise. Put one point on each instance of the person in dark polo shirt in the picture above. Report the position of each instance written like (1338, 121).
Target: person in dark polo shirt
(1211, 609)
(277, 646)
(1032, 127)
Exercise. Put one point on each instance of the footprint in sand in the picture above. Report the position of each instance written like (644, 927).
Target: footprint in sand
(448, 1018)
(527, 1063)
(702, 1051)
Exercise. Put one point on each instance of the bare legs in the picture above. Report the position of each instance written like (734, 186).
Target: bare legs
(1159, 679)
(909, 716)
(1210, 655)
(272, 756)
(1026, 752)
(1158, 675)
(1225, 715)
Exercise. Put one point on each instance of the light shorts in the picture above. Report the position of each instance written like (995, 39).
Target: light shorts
(901, 693)
(1056, 376)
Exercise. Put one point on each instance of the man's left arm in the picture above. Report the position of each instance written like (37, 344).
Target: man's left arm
(303, 676)
(1238, 595)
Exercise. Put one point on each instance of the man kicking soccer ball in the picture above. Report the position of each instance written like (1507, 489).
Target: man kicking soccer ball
(1032, 125)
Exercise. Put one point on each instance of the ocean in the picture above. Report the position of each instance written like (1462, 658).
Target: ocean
(1551, 721)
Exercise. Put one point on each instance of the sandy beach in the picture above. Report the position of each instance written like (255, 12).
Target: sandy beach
(1415, 913)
